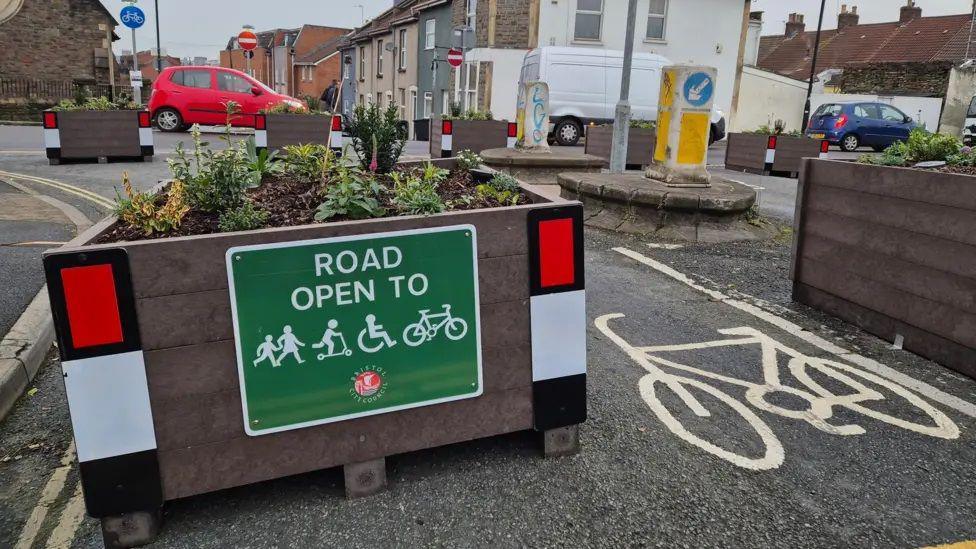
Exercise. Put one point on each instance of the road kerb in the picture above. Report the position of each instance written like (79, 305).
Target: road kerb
(23, 349)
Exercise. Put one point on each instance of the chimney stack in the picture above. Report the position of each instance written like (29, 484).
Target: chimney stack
(794, 25)
(909, 11)
(847, 18)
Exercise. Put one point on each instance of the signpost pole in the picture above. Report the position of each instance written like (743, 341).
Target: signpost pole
(159, 47)
(136, 90)
(621, 122)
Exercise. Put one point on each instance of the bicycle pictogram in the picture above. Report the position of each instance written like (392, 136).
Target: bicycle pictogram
(133, 17)
(429, 325)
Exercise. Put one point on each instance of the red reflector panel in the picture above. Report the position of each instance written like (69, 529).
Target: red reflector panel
(259, 122)
(50, 120)
(447, 127)
(824, 146)
(512, 129)
(93, 311)
(336, 124)
(556, 261)
(772, 142)
(144, 119)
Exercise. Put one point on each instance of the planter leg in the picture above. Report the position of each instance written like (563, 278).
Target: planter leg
(147, 158)
(563, 441)
(103, 160)
(365, 478)
(54, 161)
(131, 529)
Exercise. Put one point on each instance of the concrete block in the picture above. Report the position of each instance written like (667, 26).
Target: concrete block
(131, 529)
(563, 441)
(365, 478)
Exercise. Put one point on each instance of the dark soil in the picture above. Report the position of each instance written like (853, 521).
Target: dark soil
(291, 202)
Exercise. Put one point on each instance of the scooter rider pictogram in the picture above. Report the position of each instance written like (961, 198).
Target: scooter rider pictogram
(328, 342)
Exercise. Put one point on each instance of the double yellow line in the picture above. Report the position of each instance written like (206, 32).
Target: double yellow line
(63, 187)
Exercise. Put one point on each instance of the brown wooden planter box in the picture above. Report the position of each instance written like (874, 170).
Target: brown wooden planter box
(97, 135)
(640, 144)
(297, 129)
(892, 250)
(183, 310)
(746, 152)
(472, 135)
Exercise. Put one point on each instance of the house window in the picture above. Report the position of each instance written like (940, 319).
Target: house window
(430, 28)
(307, 73)
(379, 58)
(656, 18)
(362, 63)
(389, 98)
(428, 103)
(589, 19)
(471, 10)
(403, 49)
(345, 71)
(413, 104)
(471, 86)
(445, 102)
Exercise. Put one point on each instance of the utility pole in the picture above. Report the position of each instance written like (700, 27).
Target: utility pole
(813, 68)
(136, 90)
(621, 120)
(159, 47)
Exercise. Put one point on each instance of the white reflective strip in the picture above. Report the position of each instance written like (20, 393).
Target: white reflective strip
(52, 138)
(335, 140)
(145, 137)
(261, 138)
(511, 142)
(823, 156)
(108, 398)
(770, 155)
(558, 334)
(447, 142)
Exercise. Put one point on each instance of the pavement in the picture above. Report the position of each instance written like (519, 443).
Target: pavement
(720, 414)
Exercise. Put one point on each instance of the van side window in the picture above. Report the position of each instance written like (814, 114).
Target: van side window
(589, 19)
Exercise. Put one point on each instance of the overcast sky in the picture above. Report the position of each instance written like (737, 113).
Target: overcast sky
(201, 27)
(872, 11)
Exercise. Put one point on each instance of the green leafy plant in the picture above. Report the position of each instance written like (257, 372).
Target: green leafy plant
(433, 174)
(505, 183)
(777, 129)
(308, 162)
(260, 163)
(643, 124)
(285, 108)
(245, 217)
(921, 146)
(414, 195)
(146, 211)
(100, 103)
(314, 103)
(488, 192)
(215, 180)
(377, 137)
(467, 160)
(471, 114)
(352, 194)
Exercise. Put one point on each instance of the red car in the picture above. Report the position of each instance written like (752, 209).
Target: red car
(184, 95)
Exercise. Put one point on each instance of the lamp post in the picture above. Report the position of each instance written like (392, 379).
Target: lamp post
(159, 47)
(813, 68)
(621, 121)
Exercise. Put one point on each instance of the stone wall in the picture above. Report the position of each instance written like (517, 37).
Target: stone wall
(57, 40)
(917, 79)
(498, 23)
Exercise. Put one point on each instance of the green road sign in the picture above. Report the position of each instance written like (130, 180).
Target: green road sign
(338, 328)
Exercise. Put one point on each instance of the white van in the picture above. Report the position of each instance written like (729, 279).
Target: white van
(584, 87)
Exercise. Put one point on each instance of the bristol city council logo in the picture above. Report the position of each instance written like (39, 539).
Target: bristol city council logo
(368, 384)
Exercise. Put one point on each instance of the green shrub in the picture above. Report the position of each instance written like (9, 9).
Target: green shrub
(921, 146)
(143, 210)
(285, 108)
(308, 162)
(414, 195)
(314, 103)
(643, 124)
(433, 174)
(215, 180)
(245, 217)
(503, 182)
(100, 103)
(377, 137)
(488, 191)
(351, 195)
(467, 160)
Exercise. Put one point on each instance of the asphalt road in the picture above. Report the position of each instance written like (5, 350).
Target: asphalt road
(754, 467)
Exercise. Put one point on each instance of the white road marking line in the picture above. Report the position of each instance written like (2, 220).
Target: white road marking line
(35, 243)
(51, 491)
(71, 517)
(660, 246)
(871, 365)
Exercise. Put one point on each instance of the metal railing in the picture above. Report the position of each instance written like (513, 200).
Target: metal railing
(33, 90)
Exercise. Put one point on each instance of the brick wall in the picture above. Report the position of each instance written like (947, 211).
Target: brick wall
(55, 40)
(510, 25)
(921, 79)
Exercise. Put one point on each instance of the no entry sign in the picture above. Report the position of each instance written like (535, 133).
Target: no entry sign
(247, 40)
(455, 57)
(339, 328)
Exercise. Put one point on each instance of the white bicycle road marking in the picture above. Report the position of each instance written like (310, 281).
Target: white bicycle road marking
(820, 401)
(868, 364)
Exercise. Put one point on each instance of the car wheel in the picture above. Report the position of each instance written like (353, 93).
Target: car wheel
(850, 143)
(169, 120)
(568, 132)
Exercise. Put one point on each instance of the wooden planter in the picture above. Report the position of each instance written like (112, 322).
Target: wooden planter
(275, 131)
(892, 250)
(472, 135)
(97, 135)
(748, 152)
(182, 314)
(640, 144)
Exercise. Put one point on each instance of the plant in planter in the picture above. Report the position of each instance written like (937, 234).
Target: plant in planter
(95, 128)
(376, 136)
(340, 294)
(470, 130)
(923, 146)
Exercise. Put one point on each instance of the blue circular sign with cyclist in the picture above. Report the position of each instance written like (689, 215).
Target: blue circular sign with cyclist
(699, 88)
(132, 17)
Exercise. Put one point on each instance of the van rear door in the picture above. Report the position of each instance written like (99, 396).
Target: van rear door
(576, 86)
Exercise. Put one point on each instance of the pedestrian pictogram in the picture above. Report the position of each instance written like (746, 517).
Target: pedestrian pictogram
(247, 40)
(455, 57)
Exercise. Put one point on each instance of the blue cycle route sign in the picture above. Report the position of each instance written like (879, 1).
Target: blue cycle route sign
(698, 89)
(132, 17)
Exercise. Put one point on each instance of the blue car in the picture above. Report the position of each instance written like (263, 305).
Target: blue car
(860, 124)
